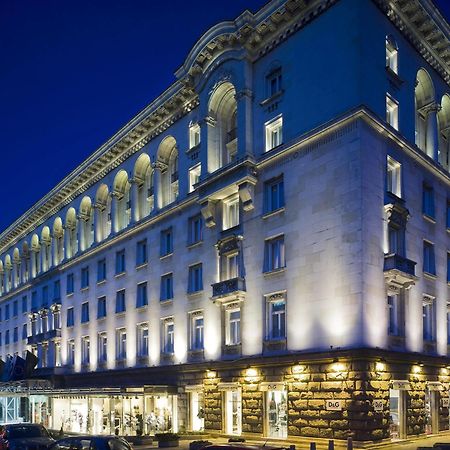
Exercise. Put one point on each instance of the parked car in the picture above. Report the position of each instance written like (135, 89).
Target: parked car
(91, 443)
(25, 436)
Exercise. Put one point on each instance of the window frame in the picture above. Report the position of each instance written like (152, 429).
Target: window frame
(273, 132)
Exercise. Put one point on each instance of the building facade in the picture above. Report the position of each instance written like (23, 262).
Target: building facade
(262, 251)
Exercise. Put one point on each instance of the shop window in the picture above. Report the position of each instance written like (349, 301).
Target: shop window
(102, 347)
(233, 412)
(194, 135)
(120, 262)
(84, 277)
(101, 270)
(274, 133)
(276, 401)
(141, 295)
(196, 327)
(85, 350)
(142, 339)
(101, 307)
(194, 176)
(168, 336)
(276, 316)
(230, 212)
(429, 318)
(391, 54)
(429, 262)
(428, 201)
(394, 177)
(233, 326)
(69, 284)
(274, 254)
(391, 112)
(273, 194)
(85, 312)
(166, 242)
(195, 282)
(166, 287)
(195, 225)
(141, 252)
(121, 343)
(120, 301)
(70, 317)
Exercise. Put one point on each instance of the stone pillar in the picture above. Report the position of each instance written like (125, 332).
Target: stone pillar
(114, 221)
(158, 168)
(136, 212)
(432, 143)
(67, 253)
(99, 226)
(208, 137)
(244, 100)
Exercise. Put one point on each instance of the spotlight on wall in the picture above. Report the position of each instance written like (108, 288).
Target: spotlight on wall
(444, 370)
(298, 369)
(380, 366)
(251, 374)
(211, 374)
(416, 368)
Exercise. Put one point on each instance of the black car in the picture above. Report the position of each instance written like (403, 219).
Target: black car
(25, 436)
(91, 443)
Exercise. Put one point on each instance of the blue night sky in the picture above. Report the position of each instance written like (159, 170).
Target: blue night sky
(74, 71)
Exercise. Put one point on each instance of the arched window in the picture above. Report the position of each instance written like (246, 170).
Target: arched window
(143, 176)
(222, 129)
(35, 255)
(58, 241)
(168, 160)
(46, 246)
(71, 233)
(103, 209)
(87, 223)
(425, 120)
(444, 132)
(121, 190)
(391, 54)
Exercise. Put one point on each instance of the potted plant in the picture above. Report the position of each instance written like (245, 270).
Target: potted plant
(167, 439)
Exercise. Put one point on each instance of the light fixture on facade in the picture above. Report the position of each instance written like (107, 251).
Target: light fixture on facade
(251, 374)
(338, 368)
(416, 368)
(380, 366)
(298, 369)
(211, 374)
(444, 370)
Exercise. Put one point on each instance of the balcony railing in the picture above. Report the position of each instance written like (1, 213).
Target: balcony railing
(228, 287)
(397, 262)
(41, 337)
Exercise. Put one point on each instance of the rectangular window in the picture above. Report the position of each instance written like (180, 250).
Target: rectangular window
(70, 317)
(85, 312)
(45, 296)
(120, 301)
(448, 267)
(15, 334)
(121, 343)
(102, 347)
(447, 219)
(394, 177)
(101, 307)
(195, 282)
(57, 290)
(101, 270)
(120, 262)
(276, 317)
(273, 83)
(141, 295)
(15, 308)
(396, 238)
(195, 229)
(168, 336)
(197, 331)
(233, 326)
(71, 352)
(429, 318)
(24, 331)
(391, 55)
(7, 315)
(84, 277)
(85, 350)
(166, 287)
(166, 242)
(274, 254)
(274, 133)
(141, 252)
(194, 135)
(194, 176)
(7, 337)
(231, 269)
(395, 311)
(24, 304)
(69, 284)
(429, 263)
(428, 201)
(142, 339)
(391, 112)
(448, 323)
(34, 301)
(273, 194)
(230, 212)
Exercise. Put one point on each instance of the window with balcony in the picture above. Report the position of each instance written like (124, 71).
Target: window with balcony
(121, 344)
(231, 266)
(194, 176)
(230, 212)
(194, 135)
(101, 307)
(102, 347)
(85, 350)
(84, 277)
(274, 133)
(141, 252)
(391, 112)
(166, 247)
(196, 328)
(168, 336)
(395, 314)
(273, 194)
(120, 301)
(142, 339)
(70, 352)
(396, 239)
(70, 284)
(276, 317)
(429, 318)
(141, 295)
(394, 177)
(195, 229)
(428, 201)
(195, 279)
(233, 326)
(391, 54)
(166, 287)
(429, 262)
(120, 262)
(70, 321)
(101, 270)
(274, 82)
(274, 254)
(85, 312)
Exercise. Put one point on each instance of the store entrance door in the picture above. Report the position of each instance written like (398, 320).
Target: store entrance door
(431, 411)
(233, 415)
(197, 410)
(276, 413)
(397, 414)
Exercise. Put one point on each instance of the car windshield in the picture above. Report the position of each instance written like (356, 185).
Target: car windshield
(26, 432)
(118, 444)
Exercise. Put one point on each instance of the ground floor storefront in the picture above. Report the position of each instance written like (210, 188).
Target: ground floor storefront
(364, 395)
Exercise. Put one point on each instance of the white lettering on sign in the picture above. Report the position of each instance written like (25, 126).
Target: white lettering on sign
(378, 405)
(333, 405)
(445, 402)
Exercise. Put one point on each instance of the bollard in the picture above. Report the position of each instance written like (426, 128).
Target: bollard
(331, 444)
(312, 446)
(349, 443)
